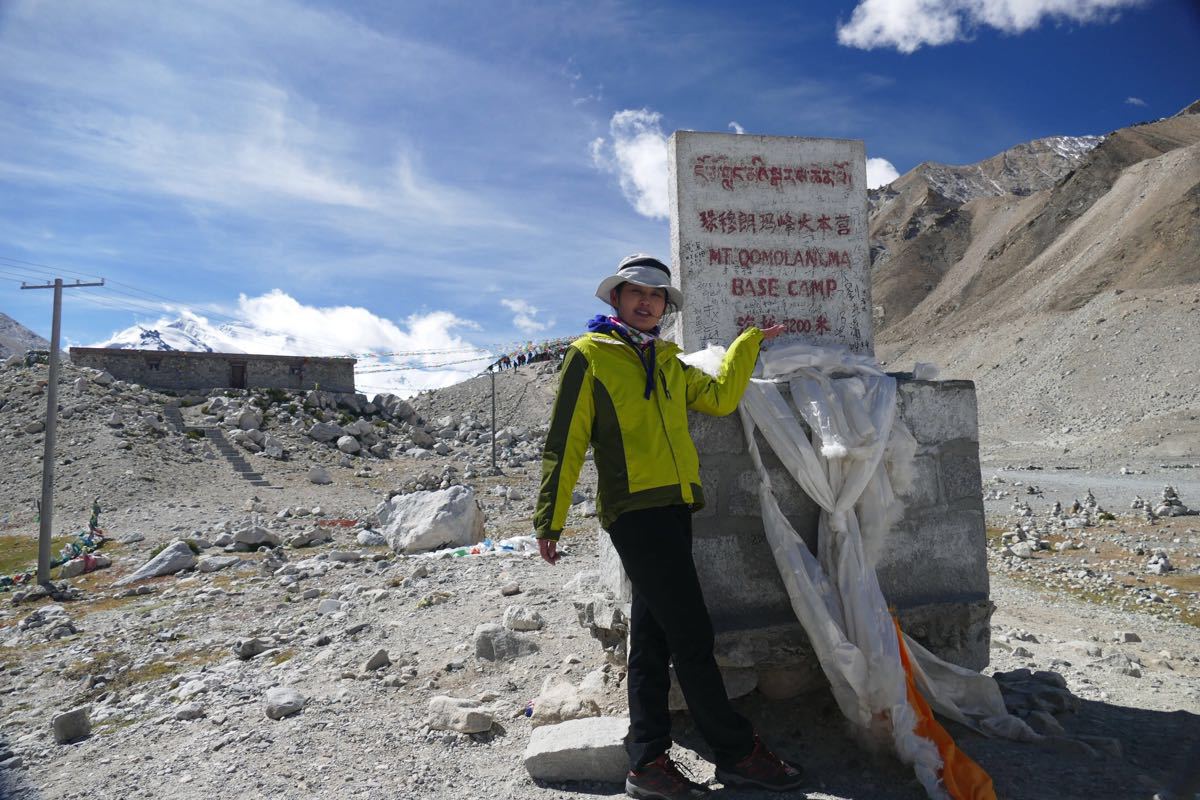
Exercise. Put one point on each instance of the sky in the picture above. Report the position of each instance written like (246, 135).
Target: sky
(445, 179)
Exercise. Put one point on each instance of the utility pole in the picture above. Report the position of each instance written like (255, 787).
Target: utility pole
(493, 419)
(47, 510)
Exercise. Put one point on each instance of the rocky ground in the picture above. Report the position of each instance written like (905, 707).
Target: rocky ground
(264, 677)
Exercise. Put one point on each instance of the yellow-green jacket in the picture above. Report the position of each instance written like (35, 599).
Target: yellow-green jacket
(645, 457)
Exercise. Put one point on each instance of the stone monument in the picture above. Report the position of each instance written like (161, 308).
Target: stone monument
(770, 230)
(773, 230)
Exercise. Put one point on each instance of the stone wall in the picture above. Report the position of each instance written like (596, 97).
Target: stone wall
(181, 371)
(932, 568)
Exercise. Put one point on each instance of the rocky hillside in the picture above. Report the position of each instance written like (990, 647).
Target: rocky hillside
(1072, 300)
(16, 338)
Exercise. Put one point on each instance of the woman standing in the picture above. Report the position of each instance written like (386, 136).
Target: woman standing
(626, 393)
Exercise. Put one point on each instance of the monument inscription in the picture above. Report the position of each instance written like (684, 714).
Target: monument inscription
(770, 230)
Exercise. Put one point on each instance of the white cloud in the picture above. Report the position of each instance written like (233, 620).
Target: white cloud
(880, 172)
(1134, 101)
(162, 115)
(637, 154)
(428, 346)
(526, 317)
(909, 24)
(736, 128)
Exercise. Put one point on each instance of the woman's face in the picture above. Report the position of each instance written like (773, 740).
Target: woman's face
(640, 307)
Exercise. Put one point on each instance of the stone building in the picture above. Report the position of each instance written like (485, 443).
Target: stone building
(183, 371)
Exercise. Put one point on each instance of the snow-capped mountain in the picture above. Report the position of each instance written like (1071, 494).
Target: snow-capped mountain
(404, 362)
(196, 334)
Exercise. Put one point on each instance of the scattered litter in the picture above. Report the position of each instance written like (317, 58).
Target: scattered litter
(514, 545)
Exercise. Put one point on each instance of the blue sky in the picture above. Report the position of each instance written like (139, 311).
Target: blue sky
(393, 176)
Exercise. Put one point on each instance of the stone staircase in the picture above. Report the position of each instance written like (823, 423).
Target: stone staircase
(233, 455)
(216, 437)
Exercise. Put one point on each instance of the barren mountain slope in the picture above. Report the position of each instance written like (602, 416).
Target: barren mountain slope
(16, 338)
(1075, 308)
(922, 223)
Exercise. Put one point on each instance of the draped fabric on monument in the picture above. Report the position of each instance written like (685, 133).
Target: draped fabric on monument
(883, 681)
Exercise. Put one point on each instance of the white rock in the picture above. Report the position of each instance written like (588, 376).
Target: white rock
(560, 701)
(329, 606)
(458, 714)
(103, 379)
(319, 475)
(175, 557)
(283, 701)
(520, 618)
(424, 521)
(249, 419)
(1021, 549)
(348, 444)
(580, 750)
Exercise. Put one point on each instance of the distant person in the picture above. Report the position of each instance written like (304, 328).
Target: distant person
(625, 391)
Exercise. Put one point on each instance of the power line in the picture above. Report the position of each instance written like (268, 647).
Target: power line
(134, 300)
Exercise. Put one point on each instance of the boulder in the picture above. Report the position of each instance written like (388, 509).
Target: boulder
(393, 407)
(217, 563)
(458, 714)
(378, 661)
(309, 537)
(325, 432)
(560, 701)
(246, 649)
(272, 448)
(580, 750)
(429, 520)
(249, 419)
(175, 557)
(495, 643)
(73, 725)
(256, 536)
(371, 539)
(78, 566)
(521, 618)
(283, 701)
(348, 444)
(319, 475)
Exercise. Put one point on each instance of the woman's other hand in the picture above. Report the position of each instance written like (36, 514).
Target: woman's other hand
(549, 550)
(771, 332)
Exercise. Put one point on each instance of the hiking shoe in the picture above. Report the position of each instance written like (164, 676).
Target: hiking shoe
(762, 769)
(661, 779)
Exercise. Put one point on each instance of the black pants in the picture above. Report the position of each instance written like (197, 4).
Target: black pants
(669, 622)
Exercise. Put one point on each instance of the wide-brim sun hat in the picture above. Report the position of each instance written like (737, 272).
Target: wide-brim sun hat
(643, 270)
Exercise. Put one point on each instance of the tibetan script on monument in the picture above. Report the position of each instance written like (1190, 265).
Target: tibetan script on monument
(770, 230)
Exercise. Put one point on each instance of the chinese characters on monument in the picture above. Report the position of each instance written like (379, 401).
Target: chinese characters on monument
(770, 230)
